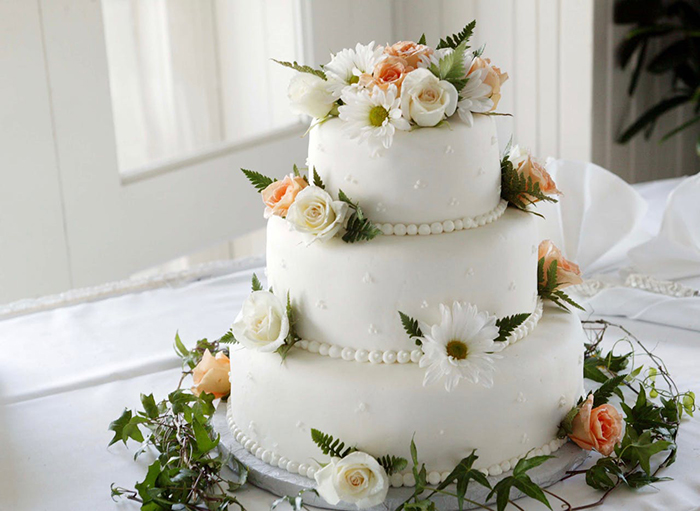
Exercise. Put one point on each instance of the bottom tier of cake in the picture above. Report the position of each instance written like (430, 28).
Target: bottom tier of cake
(379, 408)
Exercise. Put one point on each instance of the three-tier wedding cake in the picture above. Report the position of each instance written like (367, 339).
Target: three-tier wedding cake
(408, 296)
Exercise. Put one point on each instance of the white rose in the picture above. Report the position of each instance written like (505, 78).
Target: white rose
(426, 99)
(310, 95)
(357, 479)
(315, 212)
(262, 323)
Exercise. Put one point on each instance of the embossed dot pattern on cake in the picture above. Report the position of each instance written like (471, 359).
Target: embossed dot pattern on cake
(417, 181)
(363, 286)
(537, 382)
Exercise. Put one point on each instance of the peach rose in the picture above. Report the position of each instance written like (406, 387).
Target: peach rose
(389, 71)
(278, 196)
(409, 51)
(211, 375)
(598, 428)
(568, 273)
(494, 78)
(525, 164)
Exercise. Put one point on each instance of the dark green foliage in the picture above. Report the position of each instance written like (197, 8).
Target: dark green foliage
(392, 464)
(317, 179)
(330, 446)
(302, 68)
(460, 37)
(662, 40)
(520, 480)
(255, 283)
(358, 227)
(605, 391)
(519, 191)
(259, 181)
(292, 337)
(549, 288)
(411, 327)
(451, 67)
(507, 324)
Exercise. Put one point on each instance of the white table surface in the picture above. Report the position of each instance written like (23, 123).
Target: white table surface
(67, 372)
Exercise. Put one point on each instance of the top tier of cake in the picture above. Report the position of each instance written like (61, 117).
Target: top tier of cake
(432, 174)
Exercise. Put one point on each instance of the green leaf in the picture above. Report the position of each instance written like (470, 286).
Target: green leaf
(507, 324)
(317, 179)
(204, 441)
(529, 488)
(566, 426)
(526, 464)
(392, 464)
(640, 479)
(604, 475)
(259, 181)
(680, 128)
(520, 191)
(330, 446)
(591, 370)
(357, 227)
(616, 363)
(462, 475)
(292, 337)
(673, 55)
(605, 391)
(149, 482)
(302, 68)
(461, 37)
(149, 406)
(256, 285)
(641, 449)
(422, 39)
(179, 347)
(228, 338)
(451, 67)
(650, 116)
(118, 426)
(410, 326)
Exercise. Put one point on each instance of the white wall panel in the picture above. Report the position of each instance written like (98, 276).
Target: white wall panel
(33, 251)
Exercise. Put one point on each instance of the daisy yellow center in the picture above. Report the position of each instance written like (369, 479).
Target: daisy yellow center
(354, 79)
(378, 115)
(457, 349)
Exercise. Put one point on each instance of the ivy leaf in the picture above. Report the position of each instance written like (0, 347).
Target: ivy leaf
(604, 475)
(566, 426)
(317, 179)
(411, 327)
(461, 37)
(507, 324)
(640, 449)
(118, 426)
(526, 464)
(392, 464)
(358, 227)
(259, 181)
(640, 479)
(521, 481)
(144, 487)
(451, 67)
(149, 406)
(616, 363)
(591, 370)
(302, 68)
(180, 348)
(203, 439)
(605, 391)
(461, 475)
(256, 285)
(330, 446)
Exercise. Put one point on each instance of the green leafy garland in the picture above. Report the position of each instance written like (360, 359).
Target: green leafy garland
(187, 469)
(357, 226)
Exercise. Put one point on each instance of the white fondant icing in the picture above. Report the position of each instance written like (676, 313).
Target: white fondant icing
(412, 269)
(398, 179)
(543, 366)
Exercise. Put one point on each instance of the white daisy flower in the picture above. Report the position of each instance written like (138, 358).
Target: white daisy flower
(460, 346)
(474, 97)
(347, 65)
(434, 57)
(372, 115)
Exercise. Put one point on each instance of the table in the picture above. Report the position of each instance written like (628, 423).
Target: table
(66, 372)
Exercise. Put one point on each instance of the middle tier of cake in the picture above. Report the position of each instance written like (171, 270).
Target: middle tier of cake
(350, 294)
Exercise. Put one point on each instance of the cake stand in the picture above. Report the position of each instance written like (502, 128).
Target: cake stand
(281, 482)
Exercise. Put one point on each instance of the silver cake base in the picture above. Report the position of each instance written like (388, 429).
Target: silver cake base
(280, 482)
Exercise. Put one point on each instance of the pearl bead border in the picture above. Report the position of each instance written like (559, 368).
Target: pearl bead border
(397, 480)
(399, 229)
(407, 356)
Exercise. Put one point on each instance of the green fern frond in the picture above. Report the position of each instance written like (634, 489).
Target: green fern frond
(259, 181)
(302, 68)
(507, 324)
(228, 338)
(392, 464)
(411, 327)
(460, 37)
(330, 446)
(358, 227)
(292, 337)
(317, 179)
(518, 190)
(549, 288)
(255, 284)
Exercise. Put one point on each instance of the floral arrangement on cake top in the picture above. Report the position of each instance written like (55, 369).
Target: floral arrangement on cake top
(377, 90)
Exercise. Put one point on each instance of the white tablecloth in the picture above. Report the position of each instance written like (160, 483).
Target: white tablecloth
(65, 373)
